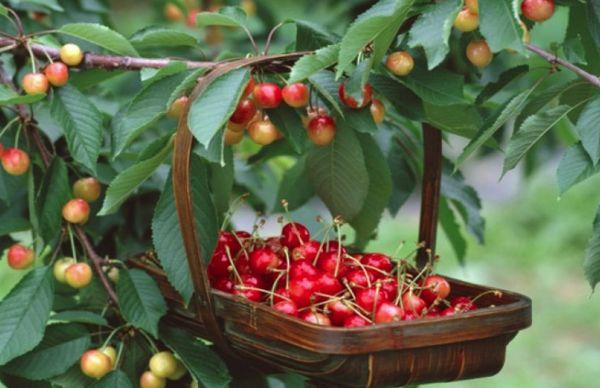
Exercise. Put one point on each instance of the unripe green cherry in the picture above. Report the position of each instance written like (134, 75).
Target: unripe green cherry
(163, 364)
(60, 266)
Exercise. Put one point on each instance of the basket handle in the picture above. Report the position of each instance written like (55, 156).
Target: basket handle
(430, 194)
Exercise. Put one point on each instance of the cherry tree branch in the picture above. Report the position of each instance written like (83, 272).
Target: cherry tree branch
(592, 79)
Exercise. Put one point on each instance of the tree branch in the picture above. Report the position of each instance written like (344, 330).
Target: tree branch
(592, 79)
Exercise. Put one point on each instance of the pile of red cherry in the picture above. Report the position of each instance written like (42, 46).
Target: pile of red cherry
(320, 282)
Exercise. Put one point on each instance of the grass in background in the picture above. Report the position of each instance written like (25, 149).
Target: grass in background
(535, 245)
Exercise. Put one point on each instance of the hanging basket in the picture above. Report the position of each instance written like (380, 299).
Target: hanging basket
(463, 346)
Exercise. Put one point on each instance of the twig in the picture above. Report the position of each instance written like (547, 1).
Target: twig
(592, 79)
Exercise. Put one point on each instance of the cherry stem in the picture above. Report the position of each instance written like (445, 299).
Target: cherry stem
(8, 126)
(356, 309)
(119, 354)
(233, 269)
(270, 37)
(149, 340)
(72, 241)
(111, 335)
(362, 267)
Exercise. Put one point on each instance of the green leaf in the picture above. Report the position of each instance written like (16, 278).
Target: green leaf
(216, 149)
(499, 24)
(311, 36)
(532, 130)
(505, 78)
(227, 16)
(432, 30)
(81, 122)
(379, 190)
(368, 26)
(213, 107)
(61, 347)
(55, 192)
(295, 186)
(439, 87)
(79, 316)
(509, 110)
(146, 108)
(24, 312)
(13, 224)
(152, 37)
(591, 264)
(574, 167)
(221, 183)
(452, 230)
(72, 378)
(593, 20)
(135, 356)
(140, 300)
(462, 120)
(399, 96)
(202, 362)
(131, 178)
(338, 173)
(10, 97)
(587, 128)
(50, 4)
(465, 199)
(404, 175)
(168, 243)
(325, 85)
(289, 123)
(100, 35)
(115, 379)
(355, 84)
(313, 63)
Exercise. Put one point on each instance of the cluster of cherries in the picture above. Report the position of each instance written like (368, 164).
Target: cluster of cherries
(162, 366)
(321, 283)
(251, 112)
(478, 52)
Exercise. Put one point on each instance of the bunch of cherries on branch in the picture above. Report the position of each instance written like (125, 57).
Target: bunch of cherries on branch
(323, 283)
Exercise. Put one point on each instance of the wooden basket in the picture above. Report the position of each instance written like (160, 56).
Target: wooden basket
(463, 346)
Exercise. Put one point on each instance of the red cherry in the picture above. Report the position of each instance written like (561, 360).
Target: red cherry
(332, 263)
(412, 303)
(377, 111)
(274, 243)
(338, 312)
(463, 303)
(76, 211)
(408, 316)
(303, 269)
(250, 281)
(228, 240)
(360, 278)
(328, 285)
(301, 290)
(20, 257)
(15, 161)
(263, 261)
(191, 17)
(334, 246)
(249, 88)
(436, 287)
(295, 95)
(219, 265)
(267, 95)
(379, 261)
(388, 312)
(355, 321)
(294, 234)
(242, 264)
(244, 112)
(351, 102)
(35, 83)
(321, 130)
(433, 313)
(390, 285)
(223, 284)
(57, 73)
(286, 307)
(367, 298)
(537, 10)
(281, 294)
(316, 318)
(307, 251)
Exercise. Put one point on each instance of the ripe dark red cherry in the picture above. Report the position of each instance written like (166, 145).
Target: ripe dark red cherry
(303, 269)
(379, 261)
(413, 304)
(223, 284)
(228, 240)
(334, 246)
(294, 234)
(435, 287)
(390, 285)
(321, 130)
(307, 251)
(15, 161)
(253, 282)
(219, 265)
(249, 88)
(267, 95)
(339, 312)
(328, 285)
(351, 101)
(537, 10)
(57, 73)
(316, 318)
(286, 307)
(244, 112)
(368, 298)
(360, 278)
(263, 261)
(20, 257)
(281, 294)
(388, 312)
(295, 95)
(301, 289)
(332, 263)
(377, 111)
(463, 303)
(355, 321)
(35, 83)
